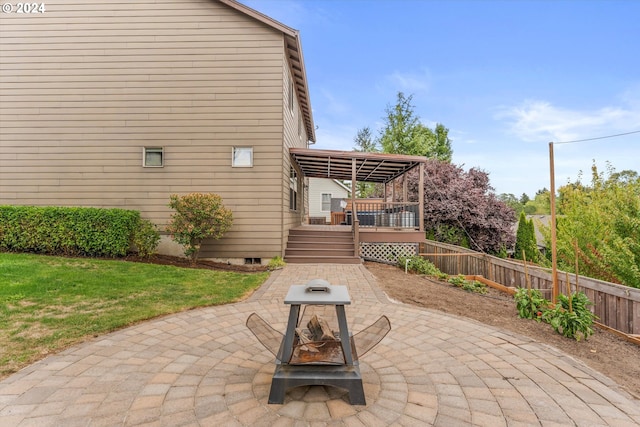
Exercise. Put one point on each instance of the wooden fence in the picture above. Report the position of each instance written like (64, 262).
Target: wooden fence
(617, 306)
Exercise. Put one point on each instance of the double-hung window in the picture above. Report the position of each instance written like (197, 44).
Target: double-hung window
(326, 202)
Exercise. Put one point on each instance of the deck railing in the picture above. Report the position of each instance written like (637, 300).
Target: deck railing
(386, 214)
(617, 306)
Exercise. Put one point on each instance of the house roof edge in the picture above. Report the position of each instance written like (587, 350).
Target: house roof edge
(293, 47)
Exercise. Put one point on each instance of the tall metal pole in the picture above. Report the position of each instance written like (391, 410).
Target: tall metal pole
(554, 253)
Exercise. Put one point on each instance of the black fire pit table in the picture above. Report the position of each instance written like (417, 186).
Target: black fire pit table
(324, 368)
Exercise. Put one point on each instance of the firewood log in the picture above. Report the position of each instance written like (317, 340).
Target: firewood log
(320, 330)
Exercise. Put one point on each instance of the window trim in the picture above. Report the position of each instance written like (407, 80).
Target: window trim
(293, 190)
(148, 150)
(234, 157)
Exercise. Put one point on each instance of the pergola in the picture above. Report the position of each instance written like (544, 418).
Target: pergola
(359, 167)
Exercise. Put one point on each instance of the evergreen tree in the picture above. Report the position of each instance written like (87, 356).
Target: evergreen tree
(405, 134)
(365, 144)
(526, 239)
(364, 141)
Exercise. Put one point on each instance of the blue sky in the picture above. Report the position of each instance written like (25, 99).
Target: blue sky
(506, 78)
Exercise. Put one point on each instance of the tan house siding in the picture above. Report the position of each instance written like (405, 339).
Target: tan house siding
(294, 136)
(86, 85)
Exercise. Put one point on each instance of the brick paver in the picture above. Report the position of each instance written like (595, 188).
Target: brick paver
(205, 368)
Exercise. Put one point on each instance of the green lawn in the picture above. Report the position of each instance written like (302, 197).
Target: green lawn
(48, 303)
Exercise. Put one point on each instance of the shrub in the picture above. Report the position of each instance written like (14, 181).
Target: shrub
(67, 230)
(571, 316)
(198, 216)
(468, 285)
(275, 263)
(146, 238)
(419, 265)
(530, 304)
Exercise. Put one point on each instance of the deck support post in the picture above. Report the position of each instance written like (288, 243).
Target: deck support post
(421, 197)
(354, 210)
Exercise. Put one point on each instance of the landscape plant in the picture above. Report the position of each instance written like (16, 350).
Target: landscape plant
(599, 223)
(419, 265)
(571, 316)
(197, 216)
(275, 263)
(468, 285)
(146, 238)
(68, 230)
(530, 303)
(461, 205)
(526, 245)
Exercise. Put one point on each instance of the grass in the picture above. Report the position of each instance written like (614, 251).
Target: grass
(49, 303)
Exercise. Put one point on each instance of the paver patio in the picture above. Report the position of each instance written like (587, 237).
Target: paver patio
(205, 368)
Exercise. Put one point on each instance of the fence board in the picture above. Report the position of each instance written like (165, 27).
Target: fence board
(617, 306)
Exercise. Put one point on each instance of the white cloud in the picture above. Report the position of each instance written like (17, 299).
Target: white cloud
(334, 105)
(541, 121)
(336, 138)
(411, 82)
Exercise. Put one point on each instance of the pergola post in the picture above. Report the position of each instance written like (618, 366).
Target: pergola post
(405, 197)
(354, 210)
(421, 197)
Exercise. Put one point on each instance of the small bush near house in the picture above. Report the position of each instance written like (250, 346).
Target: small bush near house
(68, 230)
(146, 238)
(276, 263)
(198, 216)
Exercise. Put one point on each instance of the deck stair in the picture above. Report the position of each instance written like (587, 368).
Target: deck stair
(319, 245)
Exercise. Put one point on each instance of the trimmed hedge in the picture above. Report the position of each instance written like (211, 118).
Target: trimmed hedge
(68, 230)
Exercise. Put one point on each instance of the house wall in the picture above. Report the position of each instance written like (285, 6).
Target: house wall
(294, 136)
(317, 186)
(86, 85)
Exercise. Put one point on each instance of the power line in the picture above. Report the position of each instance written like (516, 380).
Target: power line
(599, 137)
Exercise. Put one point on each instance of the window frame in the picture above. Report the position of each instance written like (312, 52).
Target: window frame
(322, 202)
(152, 150)
(293, 190)
(235, 157)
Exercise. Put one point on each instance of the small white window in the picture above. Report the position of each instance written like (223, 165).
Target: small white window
(326, 202)
(153, 157)
(242, 157)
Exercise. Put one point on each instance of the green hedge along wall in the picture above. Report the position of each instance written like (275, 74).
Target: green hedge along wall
(69, 230)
